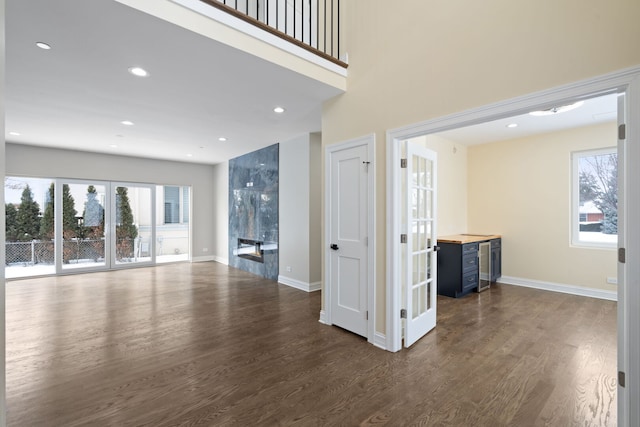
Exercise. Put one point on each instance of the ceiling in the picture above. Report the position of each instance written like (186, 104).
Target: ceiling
(75, 95)
(594, 110)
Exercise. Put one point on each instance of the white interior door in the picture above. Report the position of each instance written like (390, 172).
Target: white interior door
(421, 266)
(347, 253)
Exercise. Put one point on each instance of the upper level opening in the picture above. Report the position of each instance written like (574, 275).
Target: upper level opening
(313, 25)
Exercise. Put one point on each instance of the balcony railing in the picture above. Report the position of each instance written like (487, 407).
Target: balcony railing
(313, 25)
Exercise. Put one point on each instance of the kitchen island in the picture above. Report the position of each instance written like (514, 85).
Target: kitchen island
(459, 263)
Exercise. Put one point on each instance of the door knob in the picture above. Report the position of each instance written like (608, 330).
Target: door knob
(334, 246)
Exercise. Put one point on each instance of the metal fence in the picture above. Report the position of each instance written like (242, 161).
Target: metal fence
(73, 251)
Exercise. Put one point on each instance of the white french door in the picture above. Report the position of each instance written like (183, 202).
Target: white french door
(420, 254)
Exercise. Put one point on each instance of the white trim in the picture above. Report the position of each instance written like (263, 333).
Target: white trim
(257, 33)
(560, 287)
(209, 258)
(626, 80)
(380, 340)
(368, 141)
(323, 318)
(298, 284)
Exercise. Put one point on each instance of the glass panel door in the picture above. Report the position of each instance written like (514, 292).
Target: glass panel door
(83, 225)
(420, 258)
(133, 219)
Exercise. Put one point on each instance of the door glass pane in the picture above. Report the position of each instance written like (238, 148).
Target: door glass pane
(172, 223)
(29, 216)
(428, 173)
(133, 224)
(415, 303)
(83, 219)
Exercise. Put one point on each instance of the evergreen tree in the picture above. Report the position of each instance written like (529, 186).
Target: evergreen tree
(27, 219)
(46, 225)
(126, 231)
(11, 225)
(69, 221)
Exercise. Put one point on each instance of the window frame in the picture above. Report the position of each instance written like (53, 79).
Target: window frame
(575, 198)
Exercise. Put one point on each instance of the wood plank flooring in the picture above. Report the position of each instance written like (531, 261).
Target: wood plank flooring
(207, 345)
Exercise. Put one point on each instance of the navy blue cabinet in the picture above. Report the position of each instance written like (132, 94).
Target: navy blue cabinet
(458, 264)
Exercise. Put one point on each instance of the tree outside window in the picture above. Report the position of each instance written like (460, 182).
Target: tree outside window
(596, 216)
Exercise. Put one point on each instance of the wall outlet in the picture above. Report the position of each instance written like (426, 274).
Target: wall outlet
(612, 280)
(288, 269)
(205, 249)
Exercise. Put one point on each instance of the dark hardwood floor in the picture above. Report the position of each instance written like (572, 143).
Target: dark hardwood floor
(204, 344)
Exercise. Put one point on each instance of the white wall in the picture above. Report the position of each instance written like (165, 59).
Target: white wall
(220, 216)
(299, 253)
(3, 406)
(24, 160)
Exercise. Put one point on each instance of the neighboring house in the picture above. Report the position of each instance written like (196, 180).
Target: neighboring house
(590, 213)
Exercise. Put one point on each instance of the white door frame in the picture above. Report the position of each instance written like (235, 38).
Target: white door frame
(627, 80)
(325, 314)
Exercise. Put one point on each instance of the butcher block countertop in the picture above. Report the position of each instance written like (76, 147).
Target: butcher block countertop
(467, 238)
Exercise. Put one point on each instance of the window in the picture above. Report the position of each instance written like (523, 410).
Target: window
(176, 205)
(595, 198)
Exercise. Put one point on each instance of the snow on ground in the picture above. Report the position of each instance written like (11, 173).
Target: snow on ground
(28, 270)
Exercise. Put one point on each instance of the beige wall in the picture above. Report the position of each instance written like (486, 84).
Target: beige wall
(522, 190)
(428, 59)
(35, 161)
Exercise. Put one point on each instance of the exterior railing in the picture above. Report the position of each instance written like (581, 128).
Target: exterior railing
(311, 24)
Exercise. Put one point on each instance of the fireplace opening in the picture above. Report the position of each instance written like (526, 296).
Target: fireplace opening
(250, 249)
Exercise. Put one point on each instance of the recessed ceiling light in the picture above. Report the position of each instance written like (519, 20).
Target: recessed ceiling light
(512, 125)
(557, 110)
(222, 139)
(189, 155)
(127, 123)
(43, 45)
(278, 110)
(113, 146)
(139, 72)
(14, 133)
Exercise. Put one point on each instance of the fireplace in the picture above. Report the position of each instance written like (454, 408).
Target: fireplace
(250, 249)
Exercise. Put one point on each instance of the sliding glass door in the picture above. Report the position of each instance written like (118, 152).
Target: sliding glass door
(83, 225)
(134, 215)
(69, 225)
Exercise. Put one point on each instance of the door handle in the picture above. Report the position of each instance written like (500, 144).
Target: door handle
(334, 246)
(436, 248)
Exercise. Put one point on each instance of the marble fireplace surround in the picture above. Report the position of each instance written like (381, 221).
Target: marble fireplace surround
(253, 212)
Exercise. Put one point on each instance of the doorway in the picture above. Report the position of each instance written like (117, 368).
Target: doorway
(625, 82)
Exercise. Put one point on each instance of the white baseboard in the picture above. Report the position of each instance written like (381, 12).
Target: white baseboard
(380, 340)
(303, 286)
(323, 317)
(221, 260)
(203, 258)
(560, 287)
